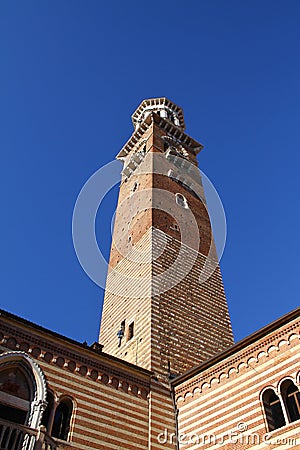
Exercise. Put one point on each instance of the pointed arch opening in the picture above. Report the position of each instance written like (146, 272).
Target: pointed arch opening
(22, 389)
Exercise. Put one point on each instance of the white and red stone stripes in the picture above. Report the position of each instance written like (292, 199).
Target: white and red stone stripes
(215, 405)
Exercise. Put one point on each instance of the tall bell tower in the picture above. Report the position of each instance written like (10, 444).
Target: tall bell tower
(164, 307)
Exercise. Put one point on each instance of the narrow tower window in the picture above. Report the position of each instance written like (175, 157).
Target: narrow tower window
(273, 410)
(181, 201)
(130, 331)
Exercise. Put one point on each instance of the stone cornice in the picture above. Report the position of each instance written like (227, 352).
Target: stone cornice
(171, 129)
(242, 355)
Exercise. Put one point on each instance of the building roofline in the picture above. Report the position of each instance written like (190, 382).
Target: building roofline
(82, 346)
(283, 320)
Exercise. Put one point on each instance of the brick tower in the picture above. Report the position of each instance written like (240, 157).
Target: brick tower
(164, 307)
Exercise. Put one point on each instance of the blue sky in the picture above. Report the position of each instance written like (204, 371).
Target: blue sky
(72, 73)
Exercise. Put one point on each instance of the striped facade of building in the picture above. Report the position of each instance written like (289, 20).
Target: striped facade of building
(103, 389)
(220, 403)
(165, 373)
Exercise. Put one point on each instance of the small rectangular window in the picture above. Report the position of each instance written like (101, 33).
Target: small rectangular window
(130, 330)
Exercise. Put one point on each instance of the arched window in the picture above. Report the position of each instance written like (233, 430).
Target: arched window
(273, 410)
(181, 201)
(62, 419)
(48, 413)
(291, 398)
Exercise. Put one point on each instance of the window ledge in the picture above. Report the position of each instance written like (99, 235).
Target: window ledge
(290, 425)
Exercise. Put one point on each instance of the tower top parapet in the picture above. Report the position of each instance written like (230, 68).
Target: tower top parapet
(161, 106)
